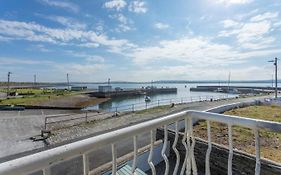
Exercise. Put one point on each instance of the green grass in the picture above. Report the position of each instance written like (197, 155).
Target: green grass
(34, 96)
(243, 138)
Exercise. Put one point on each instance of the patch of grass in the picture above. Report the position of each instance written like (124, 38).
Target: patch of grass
(34, 96)
(243, 138)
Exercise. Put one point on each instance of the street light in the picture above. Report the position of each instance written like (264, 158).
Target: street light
(67, 79)
(275, 64)
(8, 90)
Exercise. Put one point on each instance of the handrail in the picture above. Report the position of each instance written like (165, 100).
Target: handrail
(44, 160)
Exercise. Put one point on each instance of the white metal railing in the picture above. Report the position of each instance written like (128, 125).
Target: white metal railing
(43, 161)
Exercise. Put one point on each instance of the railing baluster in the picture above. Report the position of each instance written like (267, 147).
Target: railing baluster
(185, 146)
(114, 157)
(85, 164)
(134, 165)
(175, 148)
(230, 150)
(47, 171)
(149, 160)
(257, 145)
(164, 150)
(192, 157)
(207, 163)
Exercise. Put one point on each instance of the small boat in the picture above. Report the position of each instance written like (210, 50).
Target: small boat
(218, 90)
(147, 99)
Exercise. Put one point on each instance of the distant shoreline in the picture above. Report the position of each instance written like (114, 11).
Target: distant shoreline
(48, 84)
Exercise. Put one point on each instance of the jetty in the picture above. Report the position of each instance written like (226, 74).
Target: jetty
(107, 92)
(234, 89)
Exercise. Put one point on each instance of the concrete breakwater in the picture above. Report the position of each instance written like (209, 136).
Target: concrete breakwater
(130, 92)
(234, 89)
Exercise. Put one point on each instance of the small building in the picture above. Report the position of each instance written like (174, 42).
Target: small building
(78, 88)
(105, 88)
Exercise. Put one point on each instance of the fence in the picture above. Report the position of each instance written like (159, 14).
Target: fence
(44, 161)
(59, 121)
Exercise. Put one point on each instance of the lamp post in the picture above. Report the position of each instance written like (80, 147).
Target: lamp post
(67, 79)
(275, 64)
(8, 89)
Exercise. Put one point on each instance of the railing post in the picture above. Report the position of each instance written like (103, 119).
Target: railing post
(85, 164)
(230, 155)
(257, 146)
(47, 171)
(114, 158)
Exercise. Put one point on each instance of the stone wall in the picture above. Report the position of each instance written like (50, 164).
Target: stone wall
(242, 163)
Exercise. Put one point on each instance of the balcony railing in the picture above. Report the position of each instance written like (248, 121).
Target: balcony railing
(43, 161)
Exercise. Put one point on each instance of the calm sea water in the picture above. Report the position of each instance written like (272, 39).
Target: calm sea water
(183, 94)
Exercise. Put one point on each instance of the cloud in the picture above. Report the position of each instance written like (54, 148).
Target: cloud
(95, 58)
(81, 69)
(5, 39)
(124, 23)
(265, 16)
(194, 51)
(161, 26)
(88, 57)
(67, 22)
(230, 23)
(115, 4)
(39, 47)
(233, 2)
(15, 61)
(38, 33)
(254, 33)
(62, 4)
(138, 7)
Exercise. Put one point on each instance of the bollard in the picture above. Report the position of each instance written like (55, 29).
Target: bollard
(145, 105)
(158, 102)
(86, 117)
(133, 107)
(181, 100)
